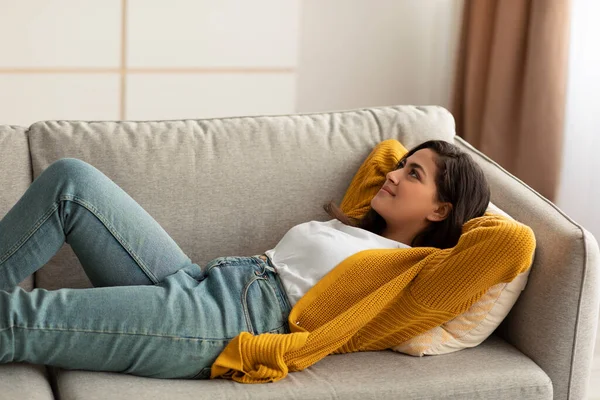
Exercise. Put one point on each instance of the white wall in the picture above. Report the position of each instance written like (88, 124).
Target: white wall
(579, 191)
(146, 59)
(356, 53)
(169, 59)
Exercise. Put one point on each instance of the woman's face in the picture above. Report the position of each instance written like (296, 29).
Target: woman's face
(408, 197)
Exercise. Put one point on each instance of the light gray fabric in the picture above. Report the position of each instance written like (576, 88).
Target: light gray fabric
(15, 173)
(231, 186)
(362, 376)
(555, 319)
(24, 381)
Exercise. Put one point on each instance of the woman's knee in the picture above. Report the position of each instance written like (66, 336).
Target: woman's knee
(68, 165)
(72, 170)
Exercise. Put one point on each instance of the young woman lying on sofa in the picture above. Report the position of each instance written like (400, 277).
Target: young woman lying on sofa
(410, 248)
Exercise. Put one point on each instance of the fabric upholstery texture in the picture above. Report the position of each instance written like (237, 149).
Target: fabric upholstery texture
(24, 381)
(233, 186)
(383, 375)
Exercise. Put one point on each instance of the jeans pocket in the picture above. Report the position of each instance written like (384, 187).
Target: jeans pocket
(261, 307)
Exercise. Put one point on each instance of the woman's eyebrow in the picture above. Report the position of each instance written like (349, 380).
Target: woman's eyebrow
(417, 166)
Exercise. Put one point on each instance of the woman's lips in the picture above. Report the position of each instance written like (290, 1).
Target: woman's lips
(386, 189)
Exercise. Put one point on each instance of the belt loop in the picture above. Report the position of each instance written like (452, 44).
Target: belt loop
(267, 262)
(270, 268)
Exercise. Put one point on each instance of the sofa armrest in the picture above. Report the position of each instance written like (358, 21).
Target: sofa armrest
(555, 319)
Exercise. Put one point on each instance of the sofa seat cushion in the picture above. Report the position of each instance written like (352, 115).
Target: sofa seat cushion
(493, 370)
(24, 381)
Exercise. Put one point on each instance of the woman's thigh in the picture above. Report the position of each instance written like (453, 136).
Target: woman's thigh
(116, 240)
(173, 329)
(144, 330)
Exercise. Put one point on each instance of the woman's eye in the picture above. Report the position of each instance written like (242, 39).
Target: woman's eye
(413, 172)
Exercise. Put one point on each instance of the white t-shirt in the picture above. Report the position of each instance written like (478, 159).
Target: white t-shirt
(308, 251)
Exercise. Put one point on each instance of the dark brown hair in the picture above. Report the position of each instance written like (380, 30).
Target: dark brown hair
(459, 181)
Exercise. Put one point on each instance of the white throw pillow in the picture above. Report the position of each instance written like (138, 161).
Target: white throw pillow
(476, 324)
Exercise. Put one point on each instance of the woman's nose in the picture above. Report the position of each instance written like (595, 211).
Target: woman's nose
(392, 176)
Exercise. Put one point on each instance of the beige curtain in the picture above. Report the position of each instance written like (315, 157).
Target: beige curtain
(509, 97)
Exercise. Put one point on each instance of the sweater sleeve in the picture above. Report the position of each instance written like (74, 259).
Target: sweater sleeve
(370, 177)
(491, 249)
(256, 359)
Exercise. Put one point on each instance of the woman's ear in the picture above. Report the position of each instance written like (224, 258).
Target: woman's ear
(441, 212)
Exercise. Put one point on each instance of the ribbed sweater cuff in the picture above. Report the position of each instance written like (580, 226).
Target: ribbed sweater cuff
(256, 359)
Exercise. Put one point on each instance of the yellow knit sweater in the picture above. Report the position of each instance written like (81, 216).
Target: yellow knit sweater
(377, 299)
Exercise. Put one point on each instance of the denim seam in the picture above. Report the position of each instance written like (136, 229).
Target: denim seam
(277, 295)
(281, 294)
(216, 265)
(283, 303)
(90, 207)
(226, 262)
(278, 328)
(222, 262)
(244, 295)
(262, 265)
(119, 333)
(20, 243)
(244, 302)
(202, 372)
(276, 286)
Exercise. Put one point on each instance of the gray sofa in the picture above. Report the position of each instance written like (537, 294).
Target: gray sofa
(234, 186)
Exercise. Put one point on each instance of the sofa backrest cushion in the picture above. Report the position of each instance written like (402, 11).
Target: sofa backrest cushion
(228, 186)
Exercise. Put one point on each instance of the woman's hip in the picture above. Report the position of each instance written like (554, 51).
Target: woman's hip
(247, 294)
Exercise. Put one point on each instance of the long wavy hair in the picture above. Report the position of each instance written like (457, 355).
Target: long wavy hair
(459, 181)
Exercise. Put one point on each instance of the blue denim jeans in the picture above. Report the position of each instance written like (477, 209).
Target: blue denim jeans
(151, 312)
